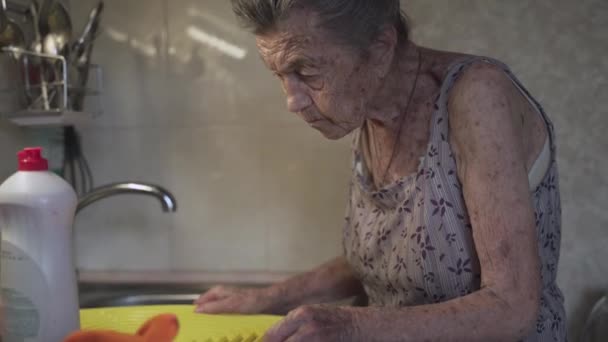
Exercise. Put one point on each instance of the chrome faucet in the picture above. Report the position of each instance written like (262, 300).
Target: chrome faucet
(167, 200)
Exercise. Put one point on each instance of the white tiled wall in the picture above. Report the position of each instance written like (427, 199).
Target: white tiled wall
(257, 189)
(124, 232)
(11, 137)
(11, 140)
(217, 176)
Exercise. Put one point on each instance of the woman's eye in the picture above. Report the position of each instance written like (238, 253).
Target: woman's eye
(306, 75)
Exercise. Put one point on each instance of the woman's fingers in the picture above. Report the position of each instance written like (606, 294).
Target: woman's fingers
(220, 300)
(314, 323)
(284, 330)
(228, 305)
(214, 294)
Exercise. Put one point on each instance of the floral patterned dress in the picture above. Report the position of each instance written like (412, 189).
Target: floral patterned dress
(410, 243)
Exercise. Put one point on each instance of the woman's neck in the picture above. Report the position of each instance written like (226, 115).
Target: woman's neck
(392, 97)
(390, 122)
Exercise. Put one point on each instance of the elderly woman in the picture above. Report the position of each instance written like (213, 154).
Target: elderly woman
(453, 224)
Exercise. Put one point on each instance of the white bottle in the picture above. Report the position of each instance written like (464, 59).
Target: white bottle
(37, 271)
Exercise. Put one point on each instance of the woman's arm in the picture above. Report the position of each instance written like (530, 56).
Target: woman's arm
(486, 136)
(332, 281)
(329, 282)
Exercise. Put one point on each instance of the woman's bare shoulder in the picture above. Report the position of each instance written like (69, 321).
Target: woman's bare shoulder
(438, 62)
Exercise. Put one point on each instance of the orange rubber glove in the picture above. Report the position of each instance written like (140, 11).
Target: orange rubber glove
(162, 328)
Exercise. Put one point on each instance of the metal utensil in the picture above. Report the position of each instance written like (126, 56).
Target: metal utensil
(3, 18)
(88, 33)
(36, 46)
(55, 23)
(596, 327)
(11, 34)
(55, 28)
(82, 51)
(34, 13)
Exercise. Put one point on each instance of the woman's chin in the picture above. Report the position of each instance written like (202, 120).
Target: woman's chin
(332, 133)
(333, 136)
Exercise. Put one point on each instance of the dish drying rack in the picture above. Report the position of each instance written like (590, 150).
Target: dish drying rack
(44, 93)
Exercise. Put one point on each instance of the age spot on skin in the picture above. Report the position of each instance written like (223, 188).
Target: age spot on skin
(504, 249)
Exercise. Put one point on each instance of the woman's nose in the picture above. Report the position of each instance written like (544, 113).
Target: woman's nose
(297, 98)
(298, 102)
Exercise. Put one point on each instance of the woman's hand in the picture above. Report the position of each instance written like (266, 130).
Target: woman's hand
(221, 299)
(316, 323)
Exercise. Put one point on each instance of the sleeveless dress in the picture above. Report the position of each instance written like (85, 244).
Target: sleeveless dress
(410, 242)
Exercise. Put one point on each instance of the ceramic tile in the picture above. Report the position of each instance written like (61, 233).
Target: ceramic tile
(131, 50)
(216, 175)
(306, 179)
(12, 140)
(215, 74)
(126, 233)
(125, 154)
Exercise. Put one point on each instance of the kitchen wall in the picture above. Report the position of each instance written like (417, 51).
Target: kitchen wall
(11, 137)
(11, 140)
(188, 105)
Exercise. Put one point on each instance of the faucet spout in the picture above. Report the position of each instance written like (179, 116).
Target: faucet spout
(166, 198)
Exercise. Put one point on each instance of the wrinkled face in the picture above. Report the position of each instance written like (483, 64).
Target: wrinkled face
(327, 84)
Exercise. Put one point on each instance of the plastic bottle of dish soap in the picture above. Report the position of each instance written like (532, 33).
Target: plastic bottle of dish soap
(37, 270)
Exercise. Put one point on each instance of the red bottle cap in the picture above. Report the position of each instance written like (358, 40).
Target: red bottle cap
(30, 159)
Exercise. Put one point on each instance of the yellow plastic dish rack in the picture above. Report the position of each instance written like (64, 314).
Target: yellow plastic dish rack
(193, 327)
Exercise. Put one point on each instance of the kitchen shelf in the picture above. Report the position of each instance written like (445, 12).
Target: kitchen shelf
(42, 94)
(49, 118)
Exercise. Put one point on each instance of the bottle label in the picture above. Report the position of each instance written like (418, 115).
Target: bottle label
(24, 291)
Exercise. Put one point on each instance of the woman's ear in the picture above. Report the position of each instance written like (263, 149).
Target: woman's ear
(382, 50)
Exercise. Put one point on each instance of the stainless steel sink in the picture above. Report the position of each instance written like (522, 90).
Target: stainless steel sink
(92, 296)
(136, 300)
(99, 295)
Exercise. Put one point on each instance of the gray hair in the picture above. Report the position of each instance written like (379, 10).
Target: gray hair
(354, 22)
